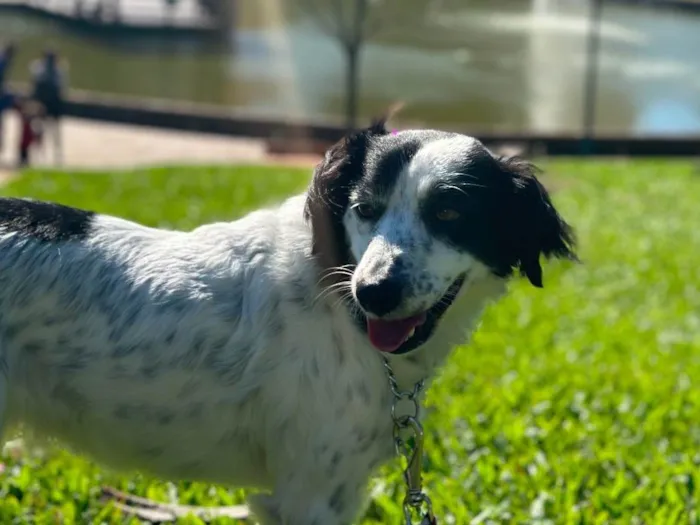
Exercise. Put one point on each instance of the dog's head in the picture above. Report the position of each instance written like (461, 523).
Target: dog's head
(404, 221)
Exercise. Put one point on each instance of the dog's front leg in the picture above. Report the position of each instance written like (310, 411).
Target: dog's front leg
(322, 497)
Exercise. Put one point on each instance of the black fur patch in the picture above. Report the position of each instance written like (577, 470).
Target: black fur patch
(44, 221)
(387, 156)
(506, 218)
(385, 161)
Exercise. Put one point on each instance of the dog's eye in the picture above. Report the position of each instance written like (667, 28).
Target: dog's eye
(447, 214)
(366, 211)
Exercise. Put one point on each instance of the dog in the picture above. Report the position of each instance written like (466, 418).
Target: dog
(252, 353)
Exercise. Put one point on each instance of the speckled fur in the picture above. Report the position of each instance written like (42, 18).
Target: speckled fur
(213, 355)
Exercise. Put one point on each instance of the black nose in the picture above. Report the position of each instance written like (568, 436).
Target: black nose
(379, 298)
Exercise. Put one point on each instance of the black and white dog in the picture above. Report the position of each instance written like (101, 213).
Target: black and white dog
(250, 353)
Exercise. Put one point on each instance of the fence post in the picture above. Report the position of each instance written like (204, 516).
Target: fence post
(591, 76)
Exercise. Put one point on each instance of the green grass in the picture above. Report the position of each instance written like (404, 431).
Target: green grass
(574, 404)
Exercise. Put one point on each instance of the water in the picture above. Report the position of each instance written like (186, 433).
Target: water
(514, 65)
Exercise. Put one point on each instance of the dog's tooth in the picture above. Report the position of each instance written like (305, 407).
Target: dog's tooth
(411, 333)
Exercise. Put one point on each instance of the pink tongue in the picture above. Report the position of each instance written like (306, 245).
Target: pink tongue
(388, 336)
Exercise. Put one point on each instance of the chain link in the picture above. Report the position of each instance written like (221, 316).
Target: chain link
(416, 501)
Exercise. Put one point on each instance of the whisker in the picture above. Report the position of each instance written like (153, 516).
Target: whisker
(339, 274)
(343, 298)
(469, 176)
(344, 279)
(461, 189)
(345, 267)
(342, 286)
(335, 273)
(342, 271)
(333, 287)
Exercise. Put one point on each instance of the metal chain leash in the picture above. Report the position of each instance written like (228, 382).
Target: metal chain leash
(416, 501)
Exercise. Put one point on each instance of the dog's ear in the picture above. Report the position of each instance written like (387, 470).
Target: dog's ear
(536, 227)
(328, 194)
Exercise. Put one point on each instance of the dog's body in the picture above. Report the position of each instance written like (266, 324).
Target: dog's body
(222, 354)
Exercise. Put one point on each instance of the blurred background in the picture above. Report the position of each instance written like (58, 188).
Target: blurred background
(509, 65)
(558, 68)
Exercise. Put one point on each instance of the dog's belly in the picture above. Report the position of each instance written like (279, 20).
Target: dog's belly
(206, 436)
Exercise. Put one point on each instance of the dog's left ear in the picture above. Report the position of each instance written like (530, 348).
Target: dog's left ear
(537, 228)
(328, 196)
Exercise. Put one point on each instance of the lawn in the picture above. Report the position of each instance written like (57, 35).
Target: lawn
(574, 404)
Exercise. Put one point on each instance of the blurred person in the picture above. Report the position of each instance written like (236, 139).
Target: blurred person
(6, 57)
(31, 115)
(49, 82)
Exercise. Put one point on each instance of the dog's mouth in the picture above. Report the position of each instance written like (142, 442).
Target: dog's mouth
(399, 336)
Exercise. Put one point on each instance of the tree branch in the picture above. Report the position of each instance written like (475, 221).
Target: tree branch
(156, 512)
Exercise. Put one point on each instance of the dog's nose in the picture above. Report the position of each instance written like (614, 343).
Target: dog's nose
(379, 298)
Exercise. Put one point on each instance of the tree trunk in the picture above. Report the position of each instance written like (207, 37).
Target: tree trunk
(114, 9)
(353, 48)
(170, 14)
(352, 87)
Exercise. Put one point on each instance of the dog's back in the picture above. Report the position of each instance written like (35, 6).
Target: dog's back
(98, 314)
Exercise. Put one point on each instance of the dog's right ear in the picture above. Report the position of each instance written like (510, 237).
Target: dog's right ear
(535, 226)
(328, 196)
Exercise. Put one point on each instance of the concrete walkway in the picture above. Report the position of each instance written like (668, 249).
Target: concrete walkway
(104, 146)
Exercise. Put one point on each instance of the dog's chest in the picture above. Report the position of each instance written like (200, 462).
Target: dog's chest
(334, 405)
